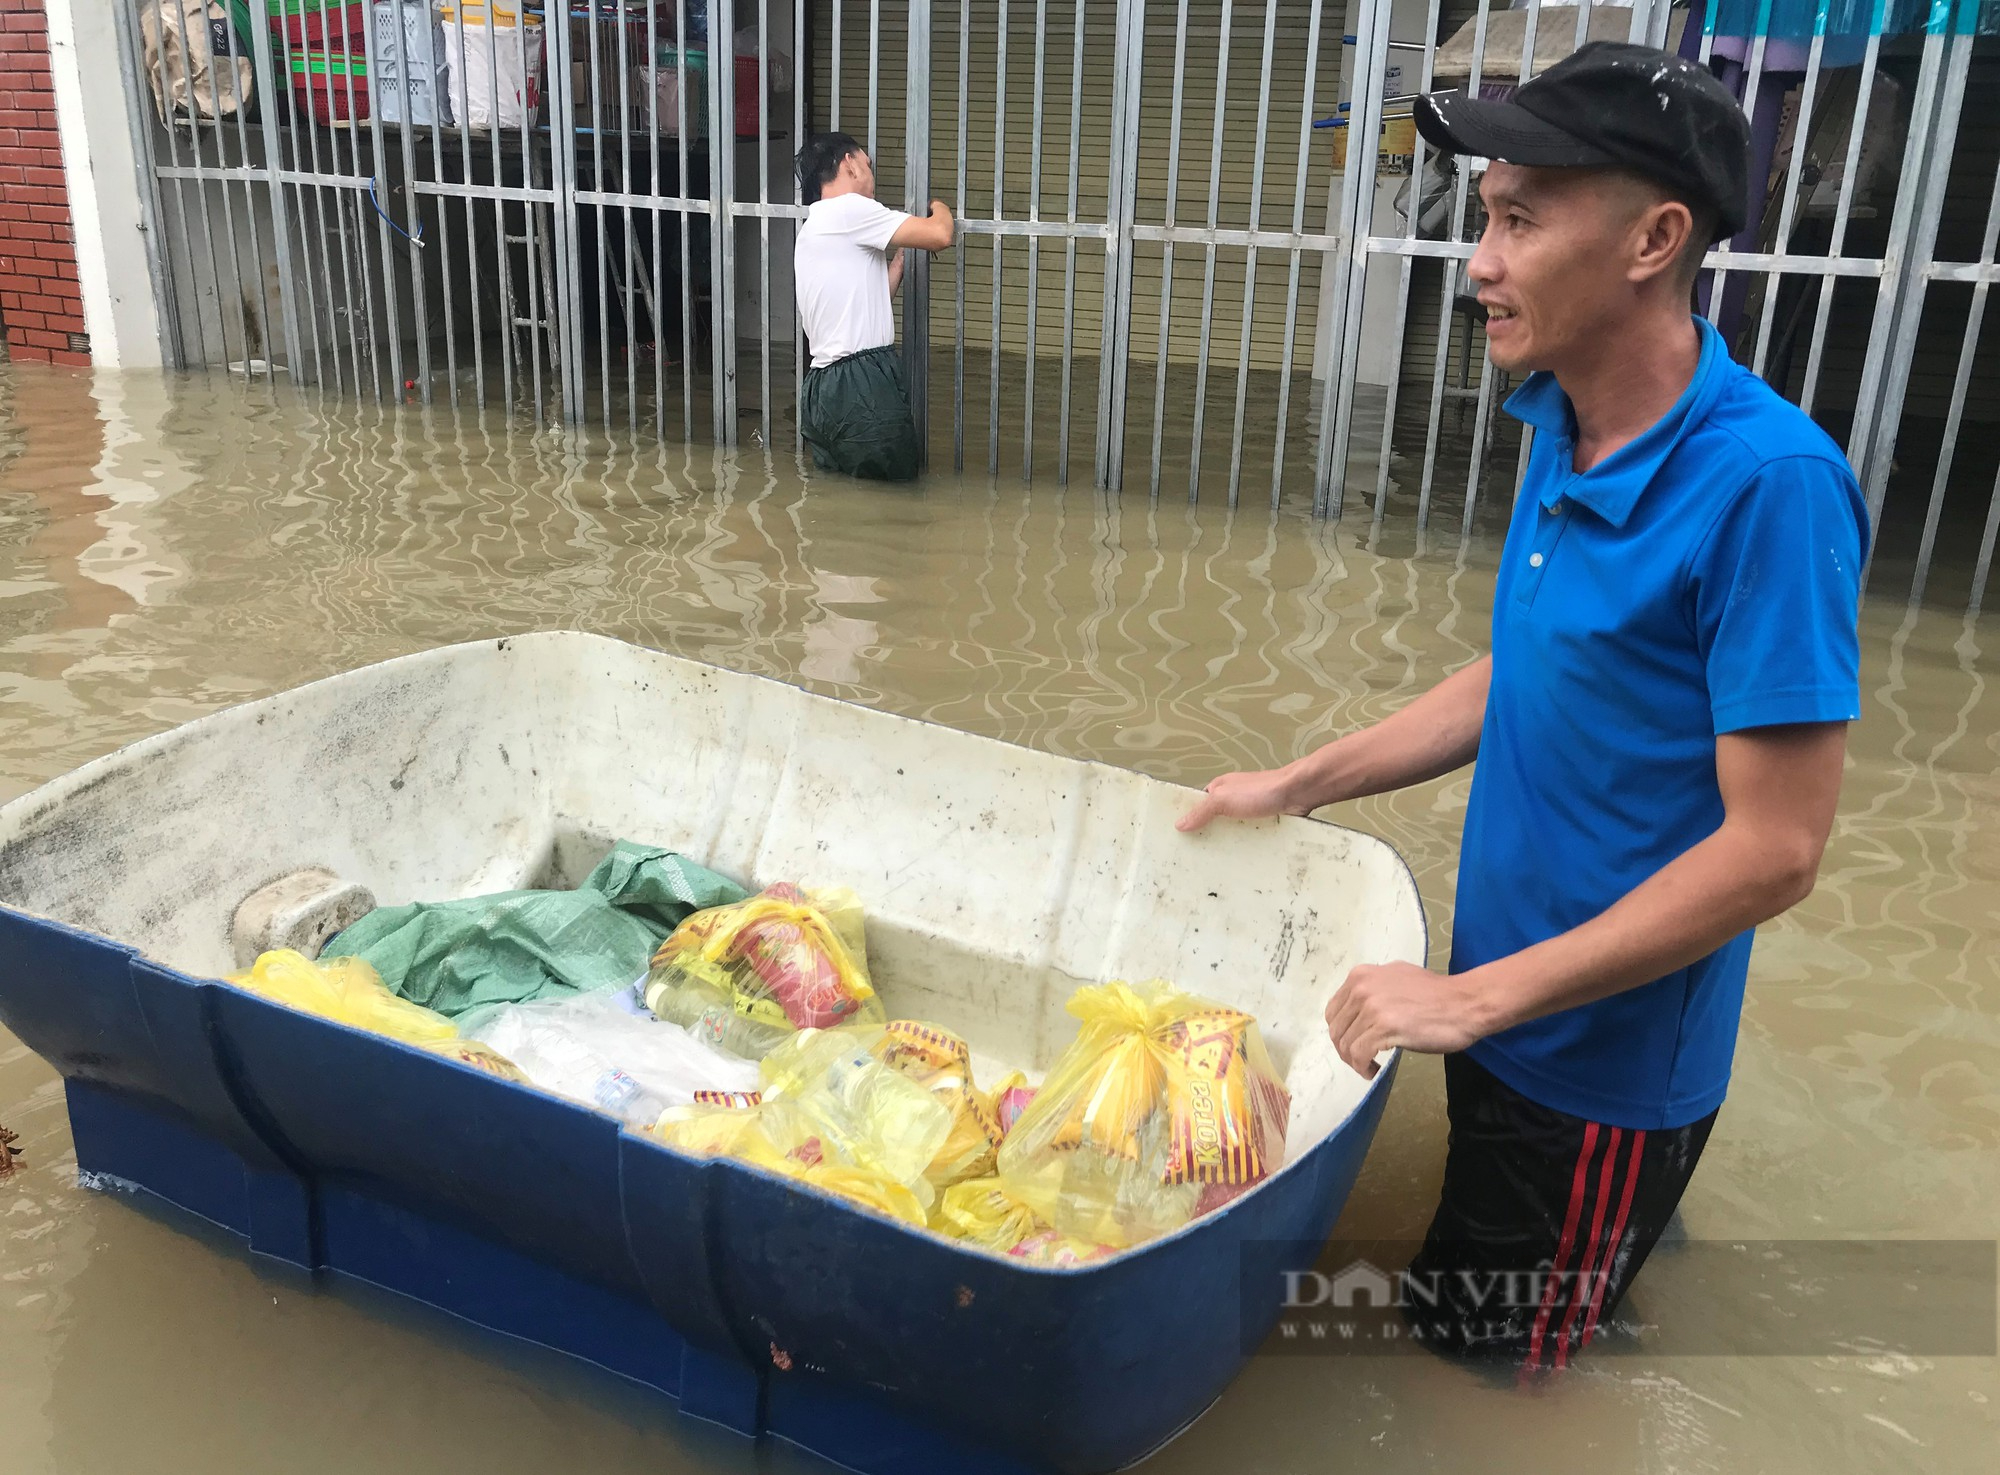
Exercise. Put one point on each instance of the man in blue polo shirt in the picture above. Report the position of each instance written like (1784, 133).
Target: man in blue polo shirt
(1660, 726)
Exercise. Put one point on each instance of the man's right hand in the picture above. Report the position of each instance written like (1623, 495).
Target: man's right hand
(1258, 795)
(934, 232)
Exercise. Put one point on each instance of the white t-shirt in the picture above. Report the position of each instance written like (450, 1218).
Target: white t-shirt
(840, 270)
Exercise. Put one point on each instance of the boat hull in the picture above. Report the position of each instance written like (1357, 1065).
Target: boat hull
(759, 1304)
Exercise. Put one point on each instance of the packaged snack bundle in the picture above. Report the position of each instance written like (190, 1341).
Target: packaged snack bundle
(480, 1057)
(1164, 1106)
(939, 1061)
(833, 1114)
(1011, 1096)
(745, 976)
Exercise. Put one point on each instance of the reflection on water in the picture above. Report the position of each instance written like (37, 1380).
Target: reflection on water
(170, 548)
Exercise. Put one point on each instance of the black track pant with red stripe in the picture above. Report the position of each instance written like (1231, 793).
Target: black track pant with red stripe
(1544, 1221)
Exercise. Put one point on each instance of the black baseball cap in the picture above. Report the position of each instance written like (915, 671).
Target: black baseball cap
(1612, 104)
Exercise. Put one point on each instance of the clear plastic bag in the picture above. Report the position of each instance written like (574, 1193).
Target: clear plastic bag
(603, 1050)
(940, 1062)
(346, 990)
(1164, 1106)
(746, 976)
(480, 1057)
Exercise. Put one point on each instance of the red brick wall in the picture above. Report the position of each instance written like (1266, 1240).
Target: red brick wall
(41, 307)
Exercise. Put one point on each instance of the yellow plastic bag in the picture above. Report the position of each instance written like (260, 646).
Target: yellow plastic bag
(831, 1084)
(1163, 1107)
(346, 990)
(832, 1114)
(940, 1062)
(781, 1140)
(743, 977)
(982, 1212)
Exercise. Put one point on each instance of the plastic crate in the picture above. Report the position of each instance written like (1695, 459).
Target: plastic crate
(320, 80)
(320, 25)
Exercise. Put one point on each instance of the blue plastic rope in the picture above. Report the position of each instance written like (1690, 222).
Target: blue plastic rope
(416, 240)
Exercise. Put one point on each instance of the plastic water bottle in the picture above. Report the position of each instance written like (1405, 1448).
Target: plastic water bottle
(624, 1097)
(714, 1021)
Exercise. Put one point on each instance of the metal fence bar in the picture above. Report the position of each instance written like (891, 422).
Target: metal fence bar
(798, 199)
(1069, 240)
(385, 243)
(1034, 242)
(1300, 189)
(958, 256)
(633, 266)
(1753, 79)
(207, 222)
(1982, 568)
(259, 36)
(722, 225)
(358, 307)
(1167, 247)
(1927, 161)
(597, 181)
(1250, 257)
(764, 221)
(1844, 206)
(1961, 383)
(687, 238)
(1116, 336)
(834, 119)
(1405, 267)
(310, 199)
(503, 268)
(281, 234)
(1458, 205)
(540, 338)
(431, 71)
(449, 99)
(917, 193)
(172, 131)
(999, 209)
(651, 113)
(1208, 255)
(874, 72)
(1788, 211)
(1357, 205)
(413, 227)
(372, 273)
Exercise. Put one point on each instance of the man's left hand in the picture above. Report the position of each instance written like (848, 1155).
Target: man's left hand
(1399, 1004)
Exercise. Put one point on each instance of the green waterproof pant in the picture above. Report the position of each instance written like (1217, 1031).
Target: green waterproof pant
(856, 417)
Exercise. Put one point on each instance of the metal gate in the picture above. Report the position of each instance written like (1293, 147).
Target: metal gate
(1168, 262)
(1892, 77)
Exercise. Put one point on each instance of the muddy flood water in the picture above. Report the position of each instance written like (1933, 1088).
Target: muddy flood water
(169, 547)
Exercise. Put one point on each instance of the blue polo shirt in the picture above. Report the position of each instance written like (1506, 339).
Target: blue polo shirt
(1702, 580)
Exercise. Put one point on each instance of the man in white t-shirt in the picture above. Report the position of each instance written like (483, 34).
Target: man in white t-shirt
(847, 264)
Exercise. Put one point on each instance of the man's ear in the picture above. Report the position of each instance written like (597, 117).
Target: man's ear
(1661, 231)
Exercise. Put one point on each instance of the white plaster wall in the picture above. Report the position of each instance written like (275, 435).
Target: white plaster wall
(91, 111)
